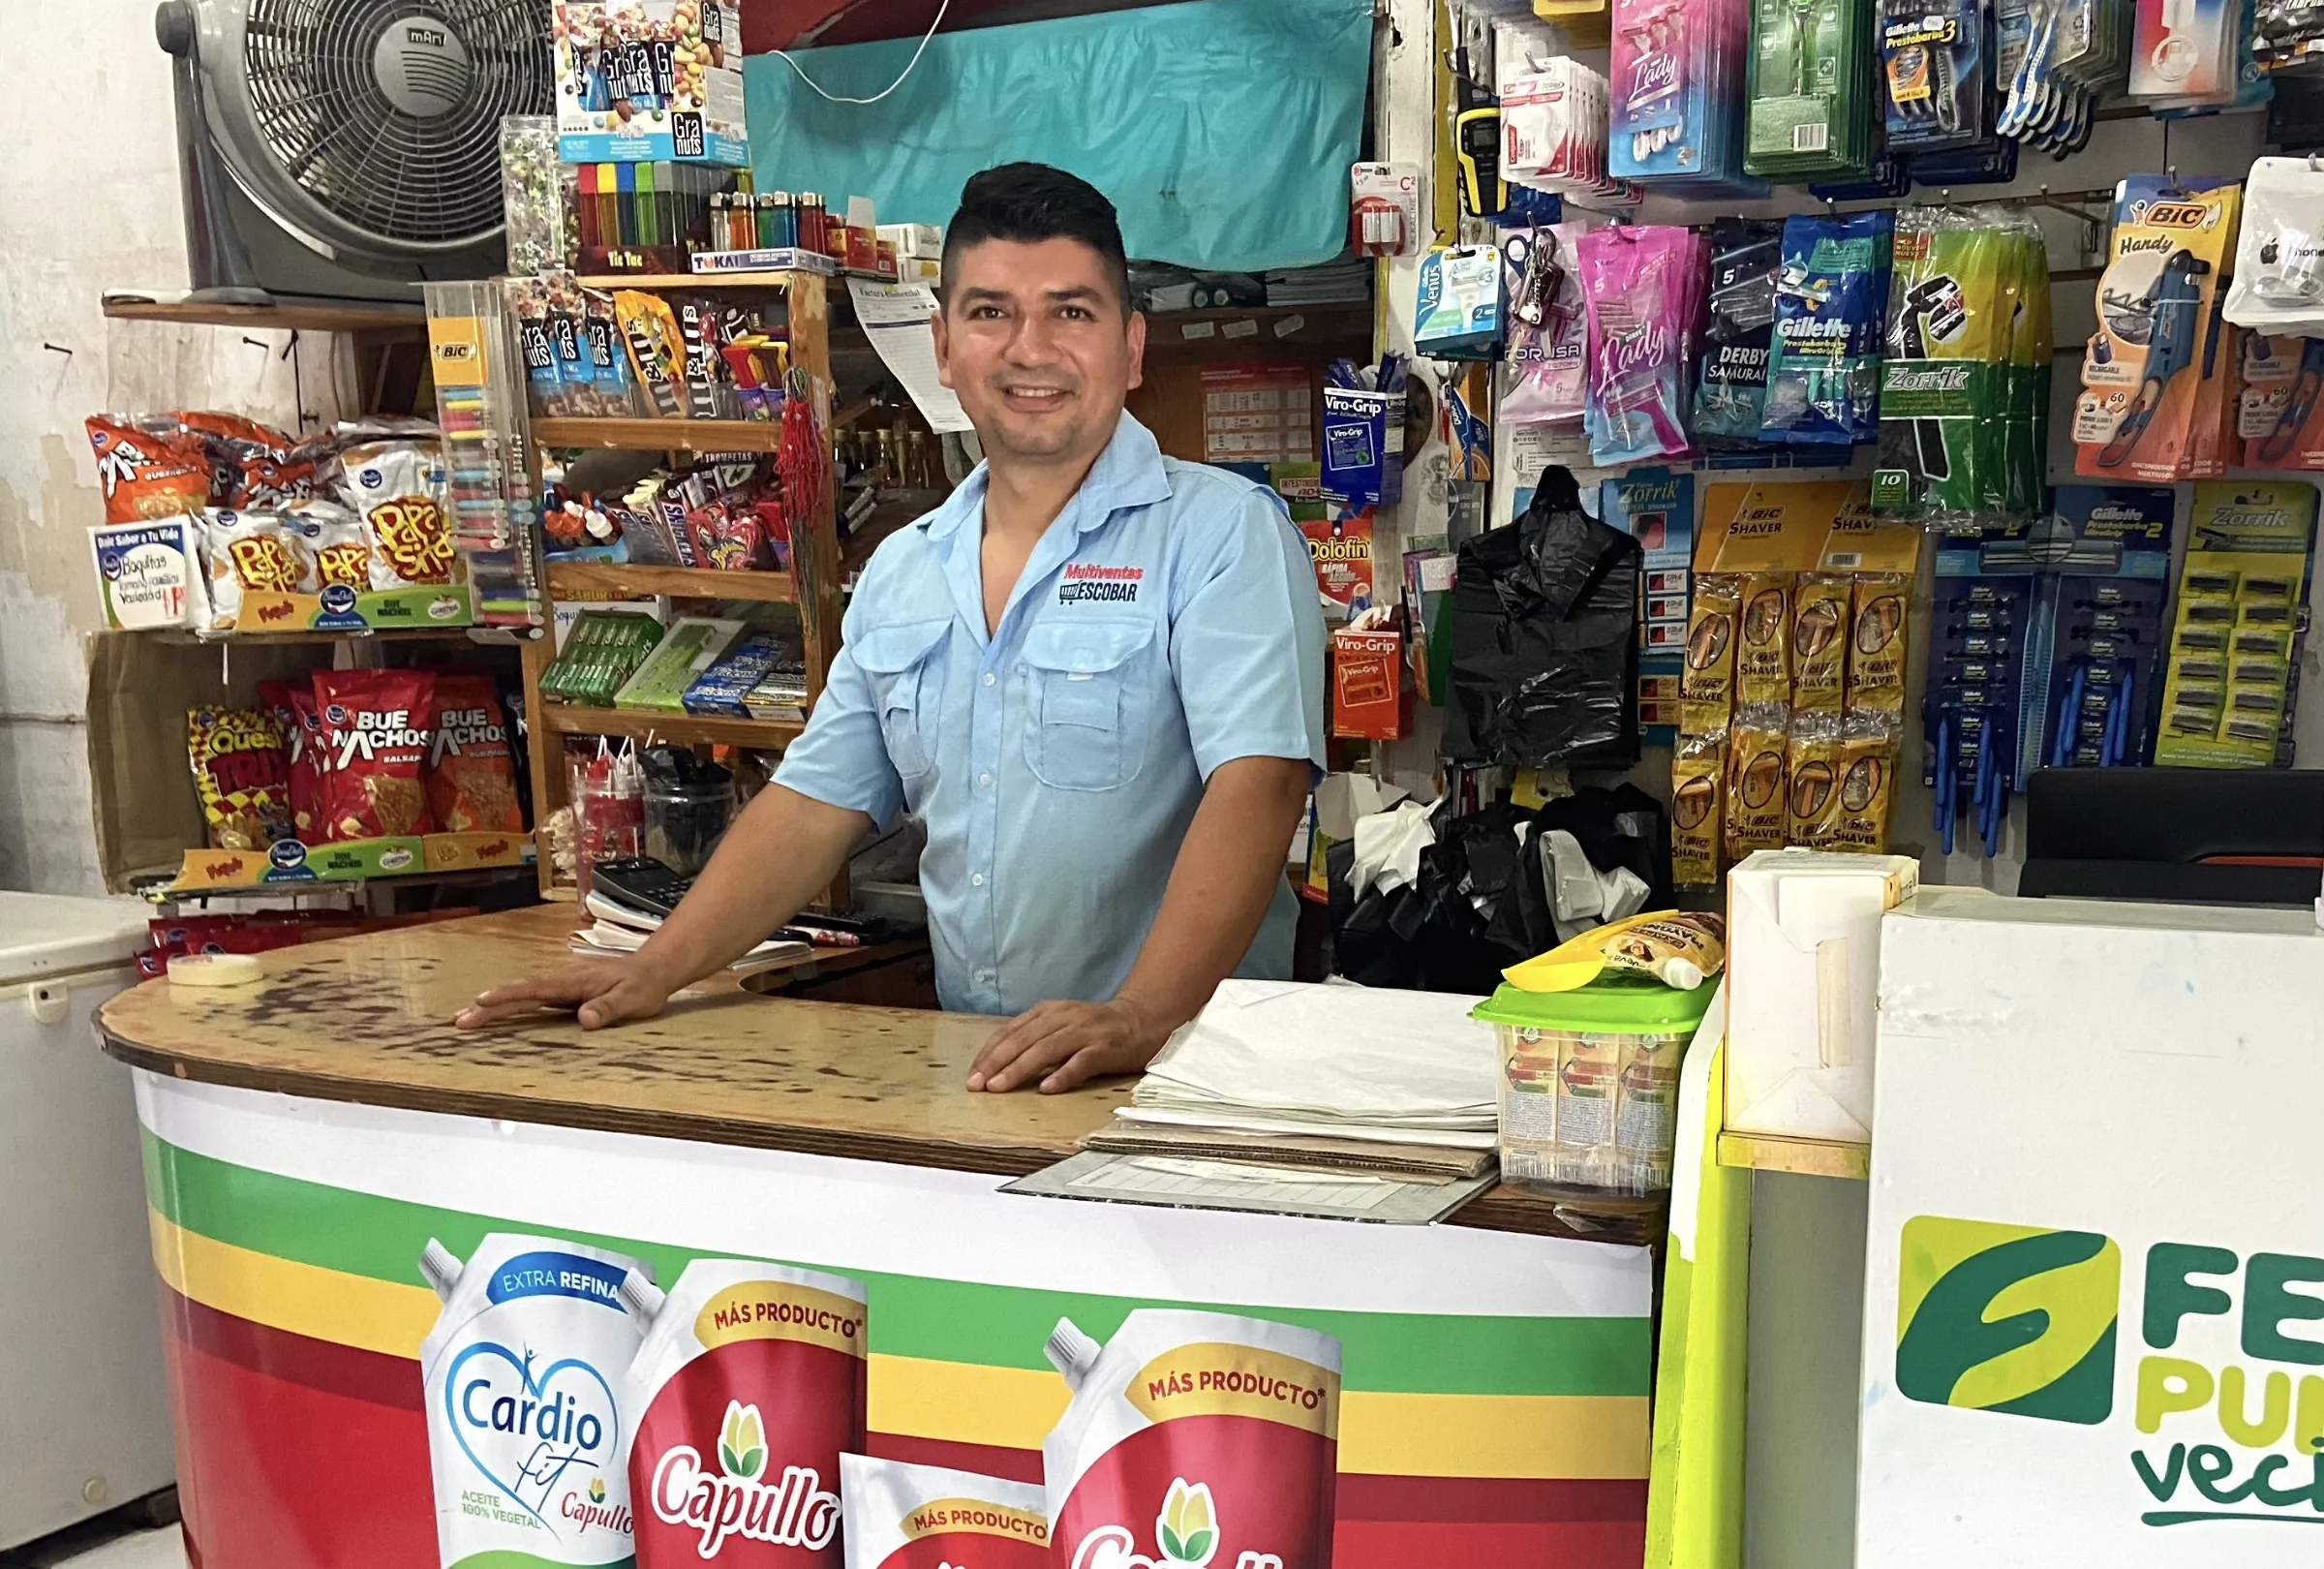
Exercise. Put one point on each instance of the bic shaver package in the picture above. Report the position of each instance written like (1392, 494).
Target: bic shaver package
(2143, 415)
(2242, 619)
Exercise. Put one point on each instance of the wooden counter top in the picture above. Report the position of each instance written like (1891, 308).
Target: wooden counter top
(368, 1019)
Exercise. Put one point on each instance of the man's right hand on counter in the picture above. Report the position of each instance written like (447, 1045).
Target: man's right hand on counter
(600, 991)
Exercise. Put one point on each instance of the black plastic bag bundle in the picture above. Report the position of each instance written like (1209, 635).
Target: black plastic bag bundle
(1545, 660)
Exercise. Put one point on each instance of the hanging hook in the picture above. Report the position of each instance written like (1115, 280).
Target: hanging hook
(59, 349)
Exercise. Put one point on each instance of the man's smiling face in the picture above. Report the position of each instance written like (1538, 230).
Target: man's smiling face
(1039, 346)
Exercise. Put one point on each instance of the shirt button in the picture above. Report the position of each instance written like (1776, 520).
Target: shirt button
(982, 976)
(989, 678)
(984, 779)
(977, 880)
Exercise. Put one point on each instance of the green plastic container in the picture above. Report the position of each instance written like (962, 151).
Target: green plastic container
(1589, 1081)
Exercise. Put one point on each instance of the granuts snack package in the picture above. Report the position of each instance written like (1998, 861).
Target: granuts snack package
(1194, 1438)
(241, 774)
(927, 1516)
(397, 487)
(472, 781)
(750, 1386)
(518, 1378)
(377, 731)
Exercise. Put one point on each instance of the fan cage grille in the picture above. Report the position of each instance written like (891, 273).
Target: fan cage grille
(322, 116)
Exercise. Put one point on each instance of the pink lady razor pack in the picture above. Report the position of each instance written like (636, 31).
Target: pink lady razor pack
(1645, 288)
(749, 1388)
(927, 1516)
(1194, 1439)
(525, 1425)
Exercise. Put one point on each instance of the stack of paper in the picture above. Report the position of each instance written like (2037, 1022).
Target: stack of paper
(1351, 1062)
(623, 928)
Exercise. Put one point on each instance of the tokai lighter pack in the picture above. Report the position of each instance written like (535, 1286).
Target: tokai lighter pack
(927, 1516)
(1194, 1441)
(525, 1428)
(750, 1386)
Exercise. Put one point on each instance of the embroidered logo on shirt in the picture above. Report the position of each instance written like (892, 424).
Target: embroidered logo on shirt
(1108, 585)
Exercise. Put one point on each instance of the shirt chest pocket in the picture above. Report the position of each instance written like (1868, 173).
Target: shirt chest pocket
(904, 662)
(1086, 702)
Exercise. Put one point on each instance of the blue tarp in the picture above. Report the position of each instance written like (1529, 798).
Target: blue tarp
(1222, 129)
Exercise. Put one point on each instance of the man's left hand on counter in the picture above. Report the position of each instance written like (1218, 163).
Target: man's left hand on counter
(1063, 1044)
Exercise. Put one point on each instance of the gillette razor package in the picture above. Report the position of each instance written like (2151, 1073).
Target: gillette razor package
(1831, 307)
(1933, 66)
(2094, 646)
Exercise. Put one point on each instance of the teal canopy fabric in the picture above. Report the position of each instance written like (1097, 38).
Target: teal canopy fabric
(1221, 128)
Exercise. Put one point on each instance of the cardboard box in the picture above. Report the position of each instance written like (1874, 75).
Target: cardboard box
(639, 82)
(1803, 953)
(1367, 685)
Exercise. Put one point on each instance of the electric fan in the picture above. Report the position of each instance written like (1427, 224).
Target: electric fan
(347, 149)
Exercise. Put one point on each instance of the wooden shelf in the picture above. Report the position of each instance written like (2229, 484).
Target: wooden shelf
(697, 280)
(600, 581)
(277, 317)
(566, 718)
(283, 639)
(1802, 1157)
(662, 435)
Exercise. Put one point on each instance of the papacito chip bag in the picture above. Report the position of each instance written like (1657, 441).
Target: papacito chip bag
(750, 1386)
(338, 547)
(519, 1379)
(1194, 1439)
(927, 1516)
(249, 553)
(377, 731)
(398, 488)
(472, 779)
(145, 476)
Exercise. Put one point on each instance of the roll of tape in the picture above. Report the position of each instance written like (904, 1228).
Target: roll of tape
(213, 970)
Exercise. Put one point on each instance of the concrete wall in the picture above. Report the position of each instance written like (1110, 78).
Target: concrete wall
(89, 200)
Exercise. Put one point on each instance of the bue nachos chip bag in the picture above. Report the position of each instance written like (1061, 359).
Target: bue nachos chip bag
(471, 782)
(378, 729)
(398, 489)
(242, 775)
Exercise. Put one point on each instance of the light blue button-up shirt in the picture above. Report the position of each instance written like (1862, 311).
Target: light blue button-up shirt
(1165, 624)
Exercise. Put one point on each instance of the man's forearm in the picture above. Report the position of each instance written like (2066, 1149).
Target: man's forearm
(780, 853)
(1225, 876)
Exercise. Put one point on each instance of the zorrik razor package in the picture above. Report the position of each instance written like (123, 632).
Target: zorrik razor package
(2242, 619)
(1831, 305)
(2159, 333)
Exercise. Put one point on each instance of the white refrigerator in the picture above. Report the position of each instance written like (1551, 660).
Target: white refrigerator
(85, 1407)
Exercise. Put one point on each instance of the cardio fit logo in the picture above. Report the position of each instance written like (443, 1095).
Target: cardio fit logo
(1186, 1532)
(734, 1502)
(2013, 1319)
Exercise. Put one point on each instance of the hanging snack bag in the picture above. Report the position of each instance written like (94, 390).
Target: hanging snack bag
(338, 550)
(398, 489)
(927, 1516)
(1762, 660)
(1876, 645)
(748, 1390)
(1698, 791)
(292, 704)
(377, 731)
(1755, 781)
(518, 1378)
(1194, 1438)
(253, 466)
(472, 781)
(1831, 305)
(2173, 241)
(249, 553)
(145, 476)
(242, 775)
(1820, 617)
(1730, 389)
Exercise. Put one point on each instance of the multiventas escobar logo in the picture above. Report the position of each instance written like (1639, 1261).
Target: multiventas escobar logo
(2024, 1321)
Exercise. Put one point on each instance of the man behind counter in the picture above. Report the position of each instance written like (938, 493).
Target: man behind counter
(1095, 672)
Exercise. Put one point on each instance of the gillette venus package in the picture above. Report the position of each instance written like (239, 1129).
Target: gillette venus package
(525, 1430)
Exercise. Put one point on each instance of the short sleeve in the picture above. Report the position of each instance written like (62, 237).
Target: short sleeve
(843, 759)
(1247, 640)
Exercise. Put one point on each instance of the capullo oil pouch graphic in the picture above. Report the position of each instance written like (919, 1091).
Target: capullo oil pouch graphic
(2013, 1319)
(1194, 1439)
(750, 1386)
(525, 1425)
(929, 1516)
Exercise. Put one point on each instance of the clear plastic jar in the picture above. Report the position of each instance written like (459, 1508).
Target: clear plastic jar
(684, 822)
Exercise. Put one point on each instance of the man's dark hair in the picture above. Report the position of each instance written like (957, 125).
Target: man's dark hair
(1031, 203)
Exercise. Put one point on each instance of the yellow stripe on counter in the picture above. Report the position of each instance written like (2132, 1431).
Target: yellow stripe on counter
(298, 1298)
(962, 1404)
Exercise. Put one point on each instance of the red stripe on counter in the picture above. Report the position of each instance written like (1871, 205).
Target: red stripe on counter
(295, 1359)
(984, 1459)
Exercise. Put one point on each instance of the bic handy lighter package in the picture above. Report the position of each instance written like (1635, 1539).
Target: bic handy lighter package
(1194, 1441)
(925, 1517)
(525, 1431)
(749, 1388)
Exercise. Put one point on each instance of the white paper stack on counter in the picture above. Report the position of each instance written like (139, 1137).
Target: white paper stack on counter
(623, 928)
(1330, 1075)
